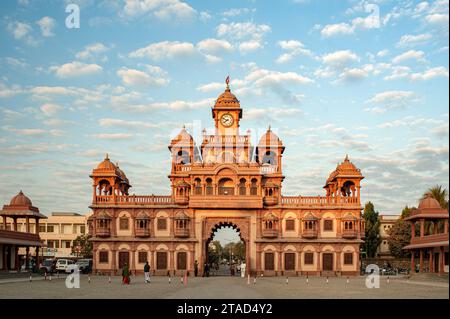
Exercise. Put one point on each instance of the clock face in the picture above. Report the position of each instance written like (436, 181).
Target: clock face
(227, 120)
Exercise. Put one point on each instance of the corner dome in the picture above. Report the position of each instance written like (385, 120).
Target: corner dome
(20, 200)
(429, 202)
(106, 164)
(269, 139)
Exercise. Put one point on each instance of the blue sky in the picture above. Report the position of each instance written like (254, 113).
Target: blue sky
(363, 78)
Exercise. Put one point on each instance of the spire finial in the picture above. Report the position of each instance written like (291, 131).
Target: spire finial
(346, 157)
(227, 81)
(270, 127)
(107, 156)
(184, 126)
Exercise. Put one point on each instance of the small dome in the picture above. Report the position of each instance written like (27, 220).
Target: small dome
(106, 164)
(227, 99)
(429, 202)
(20, 200)
(183, 136)
(269, 139)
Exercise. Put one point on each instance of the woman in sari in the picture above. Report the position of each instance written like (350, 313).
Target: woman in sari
(125, 275)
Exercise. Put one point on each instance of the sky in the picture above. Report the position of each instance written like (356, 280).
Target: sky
(363, 78)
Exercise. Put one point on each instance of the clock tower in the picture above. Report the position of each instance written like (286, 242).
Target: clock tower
(227, 112)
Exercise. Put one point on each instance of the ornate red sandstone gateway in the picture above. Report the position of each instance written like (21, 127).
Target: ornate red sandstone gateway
(227, 182)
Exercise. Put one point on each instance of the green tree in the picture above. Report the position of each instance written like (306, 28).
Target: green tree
(236, 249)
(438, 193)
(82, 246)
(400, 235)
(215, 251)
(372, 230)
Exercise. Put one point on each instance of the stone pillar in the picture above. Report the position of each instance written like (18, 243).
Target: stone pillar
(422, 227)
(421, 260)
(446, 226)
(441, 260)
(27, 251)
(133, 260)
(430, 260)
(4, 222)
(16, 261)
(37, 225)
(412, 261)
(113, 261)
(15, 223)
(318, 262)
(338, 260)
(27, 223)
(37, 257)
(413, 229)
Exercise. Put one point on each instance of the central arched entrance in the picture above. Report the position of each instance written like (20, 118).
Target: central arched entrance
(226, 246)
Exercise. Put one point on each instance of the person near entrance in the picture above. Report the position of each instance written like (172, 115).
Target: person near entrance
(147, 272)
(243, 265)
(206, 270)
(196, 268)
(125, 275)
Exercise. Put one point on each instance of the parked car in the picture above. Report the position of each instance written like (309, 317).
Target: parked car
(84, 266)
(62, 264)
(47, 266)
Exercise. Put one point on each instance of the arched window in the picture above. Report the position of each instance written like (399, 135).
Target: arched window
(242, 188)
(209, 186)
(269, 158)
(183, 157)
(228, 157)
(348, 189)
(198, 186)
(226, 186)
(254, 187)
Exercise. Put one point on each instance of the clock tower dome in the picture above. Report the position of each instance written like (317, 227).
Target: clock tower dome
(227, 112)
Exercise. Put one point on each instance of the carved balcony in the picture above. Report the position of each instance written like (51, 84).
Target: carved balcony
(180, 199)
(270, 200)
(142, 232)
(270, 233)
(349, 233)
(103, 232)
(181, 232)
(309, 233)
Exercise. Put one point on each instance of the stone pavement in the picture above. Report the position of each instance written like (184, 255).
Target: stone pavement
(227, 288)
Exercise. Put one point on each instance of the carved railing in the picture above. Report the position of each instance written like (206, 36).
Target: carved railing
(430, 238)
(181, 232)
(10, 234)
(318, 200)
(223, 139)
(134, 200)
(103, 231)
(349, 233)
(270, 233)
(309, 233)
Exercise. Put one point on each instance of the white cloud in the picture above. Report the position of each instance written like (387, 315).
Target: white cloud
(340, 59)
(331, 30)
(437, 19)
(242, 30)
(50, 109)
(391, 100)
(21, 31)
(409, 40)
(382, 53)
(430, 74)
(113, 136)
(109, 122)
(210, 87)
(47, 24)
(409, 55)
(152, 77)
(13, 90)
(295, 48)
(398, 72)
(353, 75)
(237, 11)
(91, 51)
(75, 68)
(271, 113)
(214, 46)
(162, 9)
(249, 46)
(165, 49)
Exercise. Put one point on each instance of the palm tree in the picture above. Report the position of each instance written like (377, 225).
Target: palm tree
(438, 193)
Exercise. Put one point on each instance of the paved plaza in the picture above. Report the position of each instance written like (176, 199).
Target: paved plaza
(228, 288)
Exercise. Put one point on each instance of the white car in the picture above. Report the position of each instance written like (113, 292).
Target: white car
(61, 264)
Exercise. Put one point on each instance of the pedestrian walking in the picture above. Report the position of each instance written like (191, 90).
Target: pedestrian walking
(196, 268)
(125, 275)
(147, 272)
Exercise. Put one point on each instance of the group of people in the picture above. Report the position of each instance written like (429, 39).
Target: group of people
(126, 274)
(206, 271)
